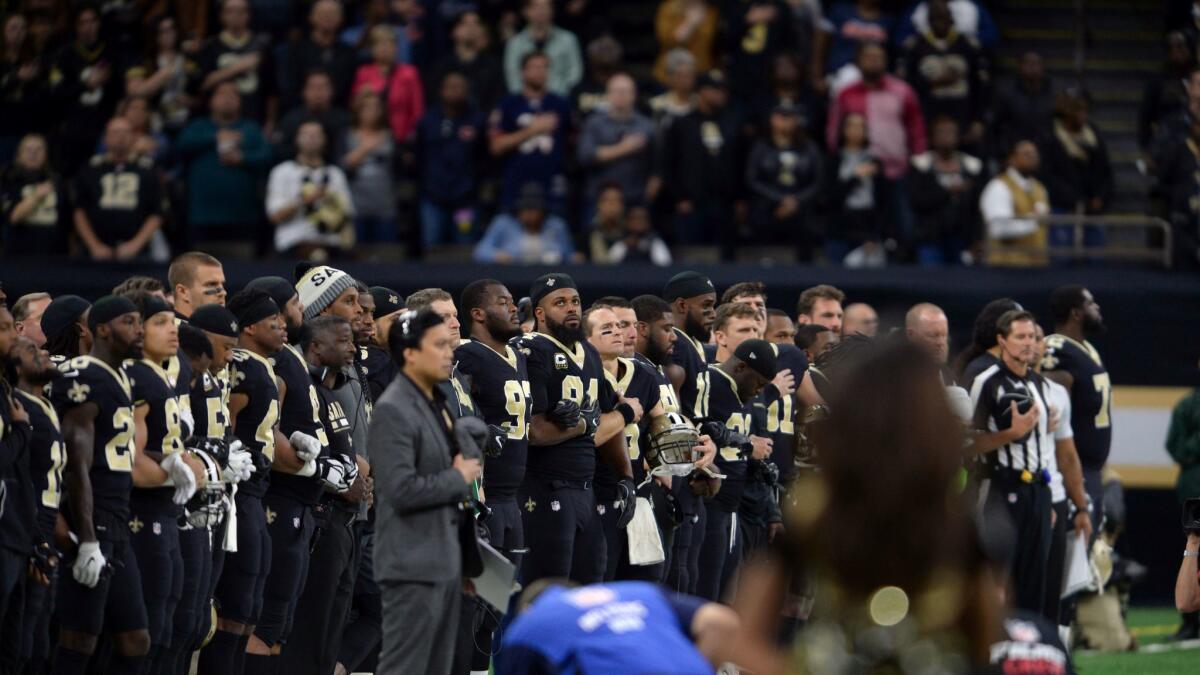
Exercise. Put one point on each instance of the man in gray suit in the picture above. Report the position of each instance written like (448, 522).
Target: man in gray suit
(423, 471)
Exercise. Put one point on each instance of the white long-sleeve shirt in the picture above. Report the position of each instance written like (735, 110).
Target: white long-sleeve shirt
(284, 188)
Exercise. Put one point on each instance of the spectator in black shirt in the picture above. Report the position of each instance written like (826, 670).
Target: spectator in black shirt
(789, 87)
(317, 106)
(1024, 108)
(1166, 94)
(641, 244)
(757, 31)
(449, 145)
(22, 85)
(85, 90)
(238, 54)
(945, 184)
(36, 211)
(783, 175)
(1075, 166)
(948, 72)
(471, 57)
(604, 57)
(165, 76)
(701, 162)
(856, 190)
(319, 49)
(1179, 179)
(118, 199)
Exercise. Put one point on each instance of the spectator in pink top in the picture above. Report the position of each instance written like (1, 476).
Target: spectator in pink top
(398, 84)
(897, 130)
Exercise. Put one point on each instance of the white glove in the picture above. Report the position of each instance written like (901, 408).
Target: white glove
(180, 475)
(89, 563)
(308, 470)
(306, 446)
(336, 474)
(188, 422)
(240, 464)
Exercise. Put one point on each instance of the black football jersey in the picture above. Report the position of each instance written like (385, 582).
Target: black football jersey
(635, 380)
(780, 413)
(47, 459)
(86, 379)
(18, 527)
(164, 430)
(718, 401)
(118, 197)
(558, 373)
(377, 368)
(499, 388)
(689, 355)
(300, 411)
(209, 400)
(1091, 396)
(254, 426)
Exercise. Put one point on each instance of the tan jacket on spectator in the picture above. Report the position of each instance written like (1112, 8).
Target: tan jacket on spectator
(1011, 205)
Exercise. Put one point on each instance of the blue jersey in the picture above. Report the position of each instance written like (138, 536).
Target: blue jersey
(539, 159)
(623, 627)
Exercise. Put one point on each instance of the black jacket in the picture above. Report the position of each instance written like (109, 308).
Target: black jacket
(939, 211)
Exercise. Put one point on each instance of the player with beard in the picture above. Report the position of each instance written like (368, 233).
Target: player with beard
(18, 527)
(575, 417)
(155, 510)
(498, 378)
(66, 328)
(656, 341)
(373, 360)
(635, 381)
(693, 300)
(95, 404)
(294, 489)
(1073, 362)
(724, 411)
(254, 419)
(31, 371)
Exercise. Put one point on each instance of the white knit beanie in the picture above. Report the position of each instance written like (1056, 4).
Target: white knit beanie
(319, 287)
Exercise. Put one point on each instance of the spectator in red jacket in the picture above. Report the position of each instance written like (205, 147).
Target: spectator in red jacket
(897, 130)
(398, 83)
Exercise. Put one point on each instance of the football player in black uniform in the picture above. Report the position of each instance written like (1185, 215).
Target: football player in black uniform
(1073, 362)
(17, 519)
(498, 382)
(94, 400)
(724, 411)
(693, 303)
(155, 511)
(196, 279)
(293, 489)
(373, 360)
(31, 371)
(636, 381)
(254, 419)
(65, 326)
(575, 416)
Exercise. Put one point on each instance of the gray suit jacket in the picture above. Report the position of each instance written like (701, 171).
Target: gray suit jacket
(417, 490)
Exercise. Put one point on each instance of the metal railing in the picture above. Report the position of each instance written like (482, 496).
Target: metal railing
(1078, 248)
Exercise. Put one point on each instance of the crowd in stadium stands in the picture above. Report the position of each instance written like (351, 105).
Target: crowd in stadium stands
(858, 132)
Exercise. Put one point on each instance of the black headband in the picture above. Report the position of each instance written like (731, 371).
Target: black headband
(108, 308)
(61, 313)
(261, 308)
(153, 305)
(547, 284)
(215, 319)
(687, 285)
(280, 289)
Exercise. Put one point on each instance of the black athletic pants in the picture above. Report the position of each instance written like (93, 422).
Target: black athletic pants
(1028, 505)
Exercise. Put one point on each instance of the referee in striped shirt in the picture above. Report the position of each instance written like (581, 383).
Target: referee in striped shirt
(1011, 418)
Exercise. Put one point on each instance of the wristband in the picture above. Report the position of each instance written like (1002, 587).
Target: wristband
(1191, 554)
(626, 411)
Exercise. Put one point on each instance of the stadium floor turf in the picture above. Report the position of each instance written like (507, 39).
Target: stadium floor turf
(1151, 627)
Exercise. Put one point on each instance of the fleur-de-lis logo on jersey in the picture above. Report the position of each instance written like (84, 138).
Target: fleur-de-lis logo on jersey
(530, 505)
(136, 525)
(78, 392)
(271, 515)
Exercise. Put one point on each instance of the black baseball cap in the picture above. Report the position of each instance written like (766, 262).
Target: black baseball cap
(759, 356)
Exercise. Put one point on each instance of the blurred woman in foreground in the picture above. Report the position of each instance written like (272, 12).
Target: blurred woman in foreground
(881, 535)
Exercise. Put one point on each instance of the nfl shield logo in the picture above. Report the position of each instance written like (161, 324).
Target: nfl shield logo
(600, 509)
(296, 522)
(555, 506)
(156, 528)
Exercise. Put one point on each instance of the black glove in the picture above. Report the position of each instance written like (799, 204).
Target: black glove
(262, 463)
(565, 414)
(217, 448)
(590, 413)
(724, 438)
(627, 495)
(495, 441)
(767, 472)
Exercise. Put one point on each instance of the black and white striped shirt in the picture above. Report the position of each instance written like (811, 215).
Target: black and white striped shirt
(1034, 452)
